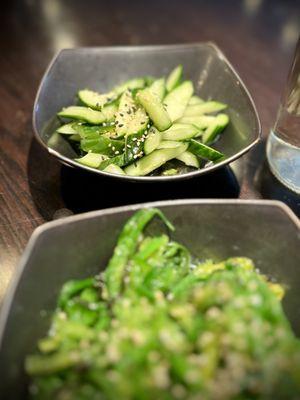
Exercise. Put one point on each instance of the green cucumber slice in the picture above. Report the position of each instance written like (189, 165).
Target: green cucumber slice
(168, 144)
(203, 151)
(174, 78)
(195, 100)
(134, 147)
(95, 100)
(152, 141)
(118, 160)
(189, 159)
(177, 100)
(131, 84)
(102, 145)
(154, 160)
(131, 118)
(109, 112)
(170, 171)
(75, 137)
(180, 132)
(67, 129)
(114, 169)
(154, 107)
(88, 131)
(83, 114)
(92, 160)
(201, 122)
(204, 108)
(158, 87)
(214, 129)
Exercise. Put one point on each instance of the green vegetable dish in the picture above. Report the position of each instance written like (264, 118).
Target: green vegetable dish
(145, 126)
(159, 324)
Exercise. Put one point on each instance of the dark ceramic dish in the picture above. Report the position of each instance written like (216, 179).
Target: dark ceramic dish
(80, 246)
(101, 68)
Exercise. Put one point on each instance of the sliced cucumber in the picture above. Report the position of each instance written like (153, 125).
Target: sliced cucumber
(214, 129)
(134, 146)
(149, 80)
(131, 84)
(168, 144)
(177, 100)
(195, 100)
(109, 112)
(174, 78)
(158, 87)
(95, 100)
(201, 122)
(189, 159)
(180, 132)
(83, 114)
(154, 160)
(204, 108)
(118, 160)
(203, 151)
(75, 137)
(92, 160)
(170, 171)
(154, 107)
(67, 129)
(114, 169)
(103, 145)
(131, 118)
(152, 141)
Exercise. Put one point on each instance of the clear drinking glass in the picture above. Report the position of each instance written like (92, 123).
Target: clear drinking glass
(283, 147)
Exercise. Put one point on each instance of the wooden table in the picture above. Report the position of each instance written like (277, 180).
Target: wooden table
(257, 36)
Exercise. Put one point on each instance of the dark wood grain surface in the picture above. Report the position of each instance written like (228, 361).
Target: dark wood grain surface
(258, 36)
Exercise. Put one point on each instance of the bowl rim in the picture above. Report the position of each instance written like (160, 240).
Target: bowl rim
(68, 161)
(39, 231)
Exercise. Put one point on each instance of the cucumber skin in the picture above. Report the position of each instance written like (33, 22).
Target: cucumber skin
(118, 160)
(134, 145)
(204, 151)
(154, 160)
(102, 145)
(155, 109)
(212, 131)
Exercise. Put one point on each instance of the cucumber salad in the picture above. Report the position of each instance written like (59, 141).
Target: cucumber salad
(161, 324)
(145, 126)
